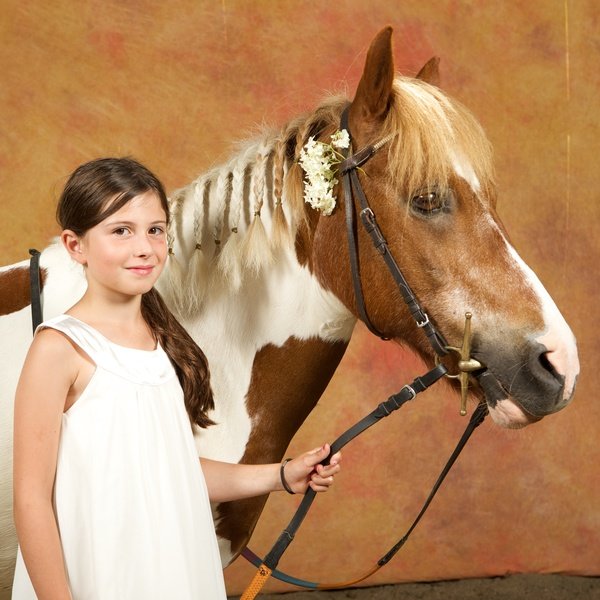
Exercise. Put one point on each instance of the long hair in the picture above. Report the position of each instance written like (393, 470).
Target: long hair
(95, 191)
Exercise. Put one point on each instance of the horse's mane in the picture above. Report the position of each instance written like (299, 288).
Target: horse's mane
(233, 221)
(436, 134)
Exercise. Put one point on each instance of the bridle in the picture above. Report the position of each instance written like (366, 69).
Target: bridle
(352, 189)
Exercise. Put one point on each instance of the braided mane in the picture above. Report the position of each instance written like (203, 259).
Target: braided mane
(233, 221)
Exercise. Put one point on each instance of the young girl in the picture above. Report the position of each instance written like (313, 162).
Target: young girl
(110, 501)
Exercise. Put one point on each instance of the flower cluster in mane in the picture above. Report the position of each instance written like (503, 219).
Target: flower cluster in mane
(319, 160)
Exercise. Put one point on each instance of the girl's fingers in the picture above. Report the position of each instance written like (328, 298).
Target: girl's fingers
(335, 459)
(320, 485)
(314, 457)
(320, 477)
(328, 470)
(321, 480)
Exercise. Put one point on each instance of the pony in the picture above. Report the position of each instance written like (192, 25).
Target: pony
(262, 281)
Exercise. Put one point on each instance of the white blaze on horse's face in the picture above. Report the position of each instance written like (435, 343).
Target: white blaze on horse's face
(555, 338)
(465, 170)
(557, 354)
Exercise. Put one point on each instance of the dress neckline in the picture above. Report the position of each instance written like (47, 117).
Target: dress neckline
(128, 348)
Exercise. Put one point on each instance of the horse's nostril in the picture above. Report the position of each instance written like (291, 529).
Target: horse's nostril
(548, 366)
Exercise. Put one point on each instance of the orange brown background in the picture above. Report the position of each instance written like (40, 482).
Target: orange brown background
(174, 83)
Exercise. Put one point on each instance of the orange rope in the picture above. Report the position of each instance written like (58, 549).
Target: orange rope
(257, 583)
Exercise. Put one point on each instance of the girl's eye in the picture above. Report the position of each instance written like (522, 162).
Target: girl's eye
(156, 230)
(120, 231)
(429, 202)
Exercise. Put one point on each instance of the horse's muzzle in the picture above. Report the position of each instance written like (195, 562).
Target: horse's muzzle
(526, 378)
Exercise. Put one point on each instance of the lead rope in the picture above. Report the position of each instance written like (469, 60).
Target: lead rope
(394, 402)
(476, 419)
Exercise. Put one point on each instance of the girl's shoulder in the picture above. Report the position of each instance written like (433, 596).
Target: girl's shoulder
(49, 339)
(53, 343)
(54, 349)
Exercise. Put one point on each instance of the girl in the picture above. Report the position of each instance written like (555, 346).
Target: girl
(109, 499)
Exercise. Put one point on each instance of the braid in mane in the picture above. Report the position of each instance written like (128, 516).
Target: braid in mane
(280, 232)
(325, 119)
(188, 360)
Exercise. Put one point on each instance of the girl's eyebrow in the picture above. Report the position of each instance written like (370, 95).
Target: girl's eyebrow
(131, 223)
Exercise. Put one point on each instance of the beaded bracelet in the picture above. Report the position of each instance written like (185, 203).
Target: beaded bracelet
(284, 483)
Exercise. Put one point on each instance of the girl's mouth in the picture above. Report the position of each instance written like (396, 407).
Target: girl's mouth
(141, 270)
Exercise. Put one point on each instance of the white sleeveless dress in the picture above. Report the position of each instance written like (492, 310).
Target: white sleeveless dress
(130, 499)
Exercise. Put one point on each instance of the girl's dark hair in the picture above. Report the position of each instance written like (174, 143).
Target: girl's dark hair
(97, 190)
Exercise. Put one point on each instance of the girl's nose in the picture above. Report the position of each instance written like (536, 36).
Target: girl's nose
(143, 246)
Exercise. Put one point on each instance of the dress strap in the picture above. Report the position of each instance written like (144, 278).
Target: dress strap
(142, 366)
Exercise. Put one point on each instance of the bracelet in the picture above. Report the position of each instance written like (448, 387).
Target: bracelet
(284, 483)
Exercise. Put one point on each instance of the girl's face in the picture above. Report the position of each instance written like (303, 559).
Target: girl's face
(125, 253)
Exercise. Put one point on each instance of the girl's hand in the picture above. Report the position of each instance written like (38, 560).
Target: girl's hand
(305, 470)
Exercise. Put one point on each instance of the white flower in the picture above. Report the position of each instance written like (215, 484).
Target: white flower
(319, 160)
(341, 139)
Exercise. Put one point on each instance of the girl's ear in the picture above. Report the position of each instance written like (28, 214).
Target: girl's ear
(74, 246)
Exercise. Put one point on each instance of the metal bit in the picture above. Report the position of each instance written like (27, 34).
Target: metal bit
(466, 364)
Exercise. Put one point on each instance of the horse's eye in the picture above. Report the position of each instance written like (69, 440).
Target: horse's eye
(428, 203)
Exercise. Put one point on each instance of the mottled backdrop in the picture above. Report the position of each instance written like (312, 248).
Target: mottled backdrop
(175, 83)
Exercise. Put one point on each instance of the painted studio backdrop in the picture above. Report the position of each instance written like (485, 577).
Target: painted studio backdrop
(176, 83)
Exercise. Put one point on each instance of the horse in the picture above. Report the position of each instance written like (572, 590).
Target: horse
(262, 281)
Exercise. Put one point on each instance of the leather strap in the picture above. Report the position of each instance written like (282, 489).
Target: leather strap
(351, 186)
(35, 288)
(408, 392)
(355, 160)
(476, 419)
(354, 261)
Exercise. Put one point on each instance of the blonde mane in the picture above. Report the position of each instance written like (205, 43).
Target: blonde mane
(235, 220)
(434, 133)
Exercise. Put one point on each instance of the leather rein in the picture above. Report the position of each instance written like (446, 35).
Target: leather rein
(352, 188)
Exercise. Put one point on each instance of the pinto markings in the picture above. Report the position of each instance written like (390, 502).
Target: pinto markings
(15, 286)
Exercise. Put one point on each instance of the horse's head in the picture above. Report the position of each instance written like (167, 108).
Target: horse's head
(431, 188)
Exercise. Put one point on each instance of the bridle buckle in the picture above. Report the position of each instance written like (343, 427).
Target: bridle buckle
(424, 322)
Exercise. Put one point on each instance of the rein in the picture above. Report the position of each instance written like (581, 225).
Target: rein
(351, 186)
(267, 566)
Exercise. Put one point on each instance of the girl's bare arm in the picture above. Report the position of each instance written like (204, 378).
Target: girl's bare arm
(226, 481)
(49, 371)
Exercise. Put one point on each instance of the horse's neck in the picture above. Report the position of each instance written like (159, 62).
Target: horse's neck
(283, 304)
(257, 298)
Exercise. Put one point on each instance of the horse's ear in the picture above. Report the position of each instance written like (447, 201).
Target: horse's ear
(375, 88)
(430, 73)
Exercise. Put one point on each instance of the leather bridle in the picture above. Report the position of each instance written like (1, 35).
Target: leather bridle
(352, 188)
(351, 184)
